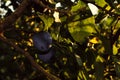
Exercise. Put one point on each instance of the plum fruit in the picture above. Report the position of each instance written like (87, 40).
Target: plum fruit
(43, 42)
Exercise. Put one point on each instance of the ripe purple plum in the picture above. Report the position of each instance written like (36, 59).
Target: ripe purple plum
(47, 57)
(42, 41)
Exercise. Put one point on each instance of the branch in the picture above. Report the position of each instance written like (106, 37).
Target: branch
(30, 58)
(14, 16)
(49, 8)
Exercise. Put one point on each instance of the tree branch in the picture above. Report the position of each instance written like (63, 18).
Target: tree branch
(49, 8)
(30, 58)
(14, 16)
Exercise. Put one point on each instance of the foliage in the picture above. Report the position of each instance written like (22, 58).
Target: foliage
(87, 46)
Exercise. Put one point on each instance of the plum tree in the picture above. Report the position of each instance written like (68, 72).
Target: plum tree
(83, 46)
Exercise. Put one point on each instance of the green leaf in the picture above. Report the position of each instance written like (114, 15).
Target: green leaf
(77, 7)
(80, 36)
(101, 3)
(115, 50)
(82, 75)
(80, 30)
(100, 59)
(48, 21)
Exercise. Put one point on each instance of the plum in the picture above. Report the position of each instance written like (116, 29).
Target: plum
(47, 57)
(42, 41)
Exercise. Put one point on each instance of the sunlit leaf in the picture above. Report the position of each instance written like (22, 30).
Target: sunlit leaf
(80, 36)
(47, 21)
(101, 3)
(115, 50)
(81, 30)
(101, 50)
(82, 76)
(94, 40)
(77, 7)
(100, 59)
(82, 41)
(93, 9)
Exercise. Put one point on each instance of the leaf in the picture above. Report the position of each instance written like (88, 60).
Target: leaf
(94, 40)
(77, 7)
(115, 50)
(101, 50)
(100, 59)
(82, 75)
(80, 36)
(48, 21)
(101, 3)
(94, 10)
(81, 30)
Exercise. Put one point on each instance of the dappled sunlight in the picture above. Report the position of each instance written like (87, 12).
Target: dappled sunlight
(59, 40)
